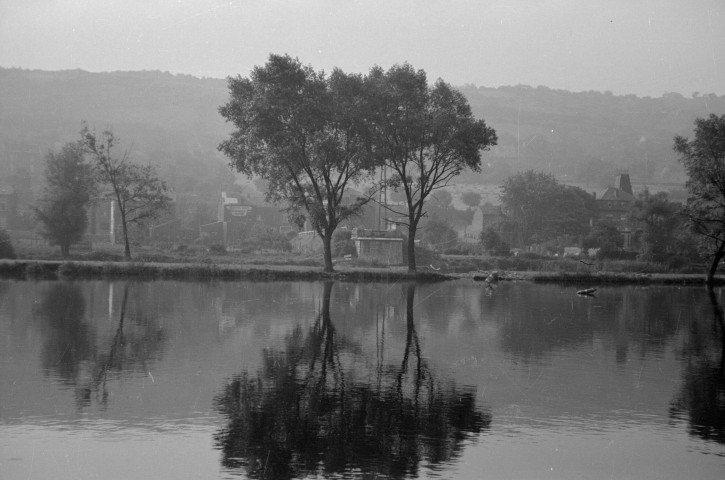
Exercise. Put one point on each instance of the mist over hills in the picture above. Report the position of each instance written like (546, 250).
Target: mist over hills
(173, 122)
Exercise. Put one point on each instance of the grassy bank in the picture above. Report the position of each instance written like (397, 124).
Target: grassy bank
(613, 278)
(150, 263)
(49, 269)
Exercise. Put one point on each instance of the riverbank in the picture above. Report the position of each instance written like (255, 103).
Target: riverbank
(55, 269)
(52, 269)
(611, 278)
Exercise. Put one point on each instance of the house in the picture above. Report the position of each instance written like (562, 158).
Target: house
(236, 214)
(384, 246)
(614, 204)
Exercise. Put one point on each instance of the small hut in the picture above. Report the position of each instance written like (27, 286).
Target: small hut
(384, 246)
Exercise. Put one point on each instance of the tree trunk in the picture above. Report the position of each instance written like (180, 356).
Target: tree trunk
(327, 251)
(411, 247)
(719, 254)
(124, 226)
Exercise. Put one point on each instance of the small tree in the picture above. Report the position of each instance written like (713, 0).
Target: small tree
(70, 184)
(704, 162)
(342, 244)
(606, 238)
(493, 244)
(439, 234)
(139, 194)
(471, 199)
(441, 199)
(425, 135)
(6, 245)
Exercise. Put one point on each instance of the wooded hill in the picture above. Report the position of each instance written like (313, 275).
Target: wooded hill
(172, 121)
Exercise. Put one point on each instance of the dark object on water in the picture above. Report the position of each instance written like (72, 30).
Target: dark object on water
(586, 291)
(493, 277)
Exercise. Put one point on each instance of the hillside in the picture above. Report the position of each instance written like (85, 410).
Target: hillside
(168, 120)
(172, 121)
(587, 136)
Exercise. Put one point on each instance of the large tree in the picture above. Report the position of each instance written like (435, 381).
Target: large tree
(704, 161)
(660, 225)
(425, 135)
(139, 194)
(544, 209)
(304, 133)
(70, 184)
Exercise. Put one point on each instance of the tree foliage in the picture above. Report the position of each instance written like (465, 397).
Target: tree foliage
(439, 234)
(493, 244)
(342, 243)
(661, 224)
(304, 133)
(544, 209)
(471, 199)
(441, 199)
(704, 160)
(63, 207)
(607, 238)
(6, 245)
(139, 194)
(425, 135)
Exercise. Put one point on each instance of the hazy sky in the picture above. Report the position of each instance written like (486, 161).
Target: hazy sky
(645, 47)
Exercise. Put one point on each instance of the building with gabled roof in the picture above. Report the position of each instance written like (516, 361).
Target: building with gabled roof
(615, 203)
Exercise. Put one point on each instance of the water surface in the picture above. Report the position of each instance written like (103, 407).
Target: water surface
(160, 380)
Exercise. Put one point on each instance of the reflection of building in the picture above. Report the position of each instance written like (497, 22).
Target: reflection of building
(384, 246)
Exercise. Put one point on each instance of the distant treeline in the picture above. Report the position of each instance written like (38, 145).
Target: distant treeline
(173, 122)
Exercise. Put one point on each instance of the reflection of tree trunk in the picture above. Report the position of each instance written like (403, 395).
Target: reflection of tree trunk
(718, 314)
(288, 421)
(117, 343)
(411, 343)
(327, 332)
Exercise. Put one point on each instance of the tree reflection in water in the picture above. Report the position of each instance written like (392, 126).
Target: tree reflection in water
(702, 395)
(70, 350)
(68, 338)
(306, 412)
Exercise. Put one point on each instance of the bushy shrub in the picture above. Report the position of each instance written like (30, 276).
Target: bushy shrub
(342, 243)
(6, 245)
(264, 238)
(217, 249)
(101, 256)
(462, 248)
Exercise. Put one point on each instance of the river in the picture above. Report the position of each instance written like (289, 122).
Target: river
(282, 380)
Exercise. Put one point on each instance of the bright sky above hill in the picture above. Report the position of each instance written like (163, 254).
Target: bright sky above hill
(645, 47)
